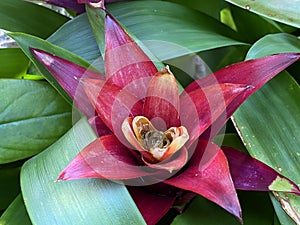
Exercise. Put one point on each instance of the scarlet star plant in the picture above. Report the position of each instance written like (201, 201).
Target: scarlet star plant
(157, 141)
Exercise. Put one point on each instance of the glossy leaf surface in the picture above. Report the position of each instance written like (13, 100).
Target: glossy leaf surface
(33, 116)
(283, 11)
(49, 202)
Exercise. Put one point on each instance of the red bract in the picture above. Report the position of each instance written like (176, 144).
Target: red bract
(157, 140)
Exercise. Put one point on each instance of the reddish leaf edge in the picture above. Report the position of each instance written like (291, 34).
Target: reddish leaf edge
(250, 174)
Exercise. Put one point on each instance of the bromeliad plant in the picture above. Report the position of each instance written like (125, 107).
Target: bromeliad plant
(156, 140)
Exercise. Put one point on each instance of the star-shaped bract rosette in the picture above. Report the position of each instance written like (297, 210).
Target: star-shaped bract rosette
(154, 139)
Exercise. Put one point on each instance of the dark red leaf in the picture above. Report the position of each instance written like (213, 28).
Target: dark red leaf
(69, 4)
(152, 205)
(201, 107)
(125, 62)
(250, 174)
(252, 72)
(68, 75)
(105, 158)
(207, 174)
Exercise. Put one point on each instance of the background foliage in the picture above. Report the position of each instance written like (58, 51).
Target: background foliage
(34, 117)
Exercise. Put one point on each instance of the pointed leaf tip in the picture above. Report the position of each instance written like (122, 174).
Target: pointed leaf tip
(208, 175)
(125, 62)
(68, 74)
(250, 174)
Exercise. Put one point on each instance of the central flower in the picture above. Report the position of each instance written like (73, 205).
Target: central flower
(154, 145)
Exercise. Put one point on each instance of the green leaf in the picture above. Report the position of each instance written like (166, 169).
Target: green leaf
(32, 116)
(71, 35)
(13, 63)
(30, 18)
(16, 213)
(77, 202)
(26, 41)
(9, 186)
(174, 35)
(282, 217)
(273, 44)
(268, 122)
(283, 11)
(257, 209)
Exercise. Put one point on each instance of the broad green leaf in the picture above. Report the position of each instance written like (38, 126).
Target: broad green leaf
(257, 209)
(9, 186)
(174, 35)
(16, 213)
(283, 11)
(274, 43)
(26, 41)
(76, 36)
(77, 202)
(268, 123)
(13, 63)
(30, 18)
(32, 116)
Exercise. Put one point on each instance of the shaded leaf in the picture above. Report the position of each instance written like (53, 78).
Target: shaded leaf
(9, 186)
(257, 209)
(33, 116)
(29, 18)
(252, 26)
(64, 203)
(16, 213)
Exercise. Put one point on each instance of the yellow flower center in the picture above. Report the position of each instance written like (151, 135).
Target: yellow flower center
(160, 144)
